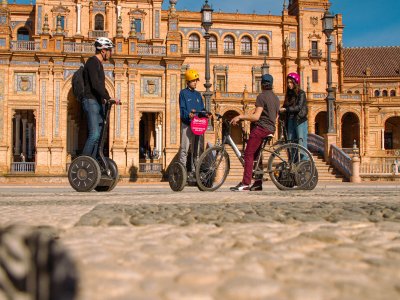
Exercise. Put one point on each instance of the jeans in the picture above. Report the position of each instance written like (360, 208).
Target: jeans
(95, 116)
(298, 132)
(257, 134)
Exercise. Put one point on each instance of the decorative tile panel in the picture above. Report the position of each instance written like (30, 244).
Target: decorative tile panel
(25, 83)
(2, 89)
(39, 19)
(43, 108)
(131, 109)
(118, 116)
(293, 40)
(157, 24)
(174, 48)
(57, 109)
(151, 86)
(44, 44)
(2, 42)
(173, 108)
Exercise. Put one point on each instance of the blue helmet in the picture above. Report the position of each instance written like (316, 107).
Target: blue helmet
(267, 78)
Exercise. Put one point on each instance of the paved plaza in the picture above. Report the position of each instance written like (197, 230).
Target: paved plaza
(142, 242)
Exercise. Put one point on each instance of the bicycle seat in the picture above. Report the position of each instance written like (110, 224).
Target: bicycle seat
(268, 138)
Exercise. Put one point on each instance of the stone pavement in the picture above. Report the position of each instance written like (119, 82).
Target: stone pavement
(145, 242)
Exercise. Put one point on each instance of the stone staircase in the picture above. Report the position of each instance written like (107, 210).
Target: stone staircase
(326, 172)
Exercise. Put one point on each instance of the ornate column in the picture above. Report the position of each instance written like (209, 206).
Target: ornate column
(75, 132)
(17, 149)
(366, 130)
(30, 140)
(24, 121)
(78, 19)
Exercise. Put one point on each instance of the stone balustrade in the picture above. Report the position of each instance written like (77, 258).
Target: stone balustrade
(24, 46)
(22, 167)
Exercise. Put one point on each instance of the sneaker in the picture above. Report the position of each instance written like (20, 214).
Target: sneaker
(240, 188)
(257, 186)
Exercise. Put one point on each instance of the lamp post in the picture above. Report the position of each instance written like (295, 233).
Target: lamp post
(327, 24)
(206, 23)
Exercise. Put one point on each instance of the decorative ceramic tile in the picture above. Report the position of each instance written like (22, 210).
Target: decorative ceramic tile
(151, 86)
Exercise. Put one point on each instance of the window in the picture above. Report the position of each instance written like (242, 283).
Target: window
(138, 25)
(392, 93)
(314, 76)
(357, 92)
(229, 45)
(349, 92)
(99, 22)
(258, 84)
(263, 46)
(213, 44)
(245, 45)
(314, 49)
(62, 19)
(194, 43)
(23, 34)
(384, 93)
(377, 93)
(221, 84)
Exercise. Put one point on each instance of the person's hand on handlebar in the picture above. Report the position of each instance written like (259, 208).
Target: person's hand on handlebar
(115, 101)
(192, 113)
(236, 120)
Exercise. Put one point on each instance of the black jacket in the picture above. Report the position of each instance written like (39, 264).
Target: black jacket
(299, 110)
(94, 78)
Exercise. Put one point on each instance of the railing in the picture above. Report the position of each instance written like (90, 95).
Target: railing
(378, 168)
(229, 51)
(392, 152)
(25, 46)
(194, 50)
(213, 51)
(315, 53)
(316, 143)
(150, 168)
(263, 53)
(246, 52)
(71, 47)
(151, 50)
(340, 161)
(98, 33)
(23, 167)
(319, 95)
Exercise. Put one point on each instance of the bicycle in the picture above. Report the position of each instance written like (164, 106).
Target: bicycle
(290, 165)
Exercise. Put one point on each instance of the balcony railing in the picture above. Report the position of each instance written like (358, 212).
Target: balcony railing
(262, 53)
(150, 168)
(23, 167)
(213, 51)
(71, 47)
(315, 53)
(246, 52)
(194, 50)
(229, 51)
(98, 33)
(151, 50)
(25, 46)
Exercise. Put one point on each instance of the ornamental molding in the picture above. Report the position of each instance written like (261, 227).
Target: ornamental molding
(60, 9)
(137, 11)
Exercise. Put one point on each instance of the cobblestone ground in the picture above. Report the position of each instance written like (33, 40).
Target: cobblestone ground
(146, 242)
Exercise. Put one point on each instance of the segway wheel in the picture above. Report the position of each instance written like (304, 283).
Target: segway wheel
(114, 175)
(177, 176)
(84, 174)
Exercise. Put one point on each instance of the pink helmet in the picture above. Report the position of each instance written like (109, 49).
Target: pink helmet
(295, 77)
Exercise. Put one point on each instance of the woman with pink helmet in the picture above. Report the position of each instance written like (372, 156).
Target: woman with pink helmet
(295, 108)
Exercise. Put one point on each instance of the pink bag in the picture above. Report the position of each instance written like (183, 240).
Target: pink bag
(199, 125)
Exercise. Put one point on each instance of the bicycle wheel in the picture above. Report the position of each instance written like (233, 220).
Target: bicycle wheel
(283, 167)
(177, 176)
(303, 174)
(212, 168)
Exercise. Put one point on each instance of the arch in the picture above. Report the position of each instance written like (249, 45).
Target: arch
(392, 93)
(385, 93)
(349, 92)
(321, 123)
(263, 45)
(377, 93)
(99, 22)
(357, 92)
(194, 43)
(229, 44)
(245, 45)
(350, 130)
(236, 131)
(392, 133)
(23, 34)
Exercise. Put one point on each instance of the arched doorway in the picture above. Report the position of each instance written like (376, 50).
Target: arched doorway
(150, 136)
(392, 133)
(350, 130)
(236, 131)
(321, 123)
(23, 34)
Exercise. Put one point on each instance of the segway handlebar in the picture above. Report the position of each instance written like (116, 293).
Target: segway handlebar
(115, 101)
(201, 113)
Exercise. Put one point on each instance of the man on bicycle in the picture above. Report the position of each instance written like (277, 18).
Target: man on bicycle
(190, 101)
(263, 123)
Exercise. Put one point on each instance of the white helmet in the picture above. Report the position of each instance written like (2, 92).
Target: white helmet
(103, 43)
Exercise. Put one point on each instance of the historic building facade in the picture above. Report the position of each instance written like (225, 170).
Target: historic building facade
(42, 45)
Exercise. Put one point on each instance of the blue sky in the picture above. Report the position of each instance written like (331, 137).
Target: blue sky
(378, 24)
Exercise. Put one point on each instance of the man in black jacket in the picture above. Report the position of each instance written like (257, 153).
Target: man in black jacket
(95, 93)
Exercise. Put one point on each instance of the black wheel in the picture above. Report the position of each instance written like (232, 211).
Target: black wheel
(303, 174)
(114, 175)
(283, 166)
(212, 169)
(177, 176)
(84, 174)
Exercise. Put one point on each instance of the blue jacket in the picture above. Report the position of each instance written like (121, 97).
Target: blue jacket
(189, 100)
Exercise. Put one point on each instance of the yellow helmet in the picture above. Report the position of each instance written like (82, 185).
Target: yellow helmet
(192, 75)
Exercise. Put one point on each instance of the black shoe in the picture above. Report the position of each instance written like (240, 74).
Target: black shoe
(240, 188)
(257, 186)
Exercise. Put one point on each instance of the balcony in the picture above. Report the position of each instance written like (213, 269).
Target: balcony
(194, 50)
(246, 52)
(70, 47)
(25, 46)
(151, 50)
(214, 51)
(22, 167)
(229, 51)
(98, 33)
(315, 53)
(263, 52)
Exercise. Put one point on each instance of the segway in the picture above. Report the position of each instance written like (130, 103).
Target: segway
(87, 173)
(179, 175)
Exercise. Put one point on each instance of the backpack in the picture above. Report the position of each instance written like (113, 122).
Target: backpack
(78, 84)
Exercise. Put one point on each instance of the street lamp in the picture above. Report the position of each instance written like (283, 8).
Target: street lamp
(327, 25)
(206, 23)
